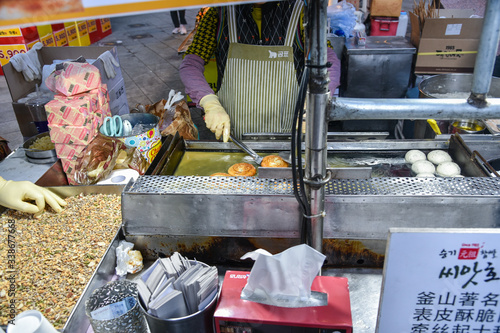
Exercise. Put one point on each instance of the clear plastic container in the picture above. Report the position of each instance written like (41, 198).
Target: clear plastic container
(36, 107)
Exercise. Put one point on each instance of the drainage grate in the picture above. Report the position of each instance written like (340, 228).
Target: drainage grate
(141, 36)
(111, 43)
(386, 186)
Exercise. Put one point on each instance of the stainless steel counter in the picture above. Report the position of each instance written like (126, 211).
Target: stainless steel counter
(364, 289)
(17, 167)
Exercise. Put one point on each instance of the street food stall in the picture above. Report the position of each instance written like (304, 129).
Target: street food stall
(353, 189)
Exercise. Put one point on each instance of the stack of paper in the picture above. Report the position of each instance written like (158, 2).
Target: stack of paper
(175, 287)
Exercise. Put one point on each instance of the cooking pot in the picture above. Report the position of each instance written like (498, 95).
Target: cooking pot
(453, 85)
(457, 86)
(36, 155)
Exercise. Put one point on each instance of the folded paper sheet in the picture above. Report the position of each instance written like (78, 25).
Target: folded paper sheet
(284, 279)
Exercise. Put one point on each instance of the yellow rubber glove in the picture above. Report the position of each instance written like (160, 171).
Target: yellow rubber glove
(216, 117)
(14, 193)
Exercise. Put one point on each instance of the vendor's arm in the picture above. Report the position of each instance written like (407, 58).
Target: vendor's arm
(216, 118)
(191, 72)
(14, 195)
(198, 54)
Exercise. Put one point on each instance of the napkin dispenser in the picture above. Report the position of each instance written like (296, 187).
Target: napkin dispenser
(234, 314)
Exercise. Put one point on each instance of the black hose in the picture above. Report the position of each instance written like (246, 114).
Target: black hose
(297, 171)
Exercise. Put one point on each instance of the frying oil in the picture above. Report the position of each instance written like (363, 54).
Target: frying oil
(200, 163)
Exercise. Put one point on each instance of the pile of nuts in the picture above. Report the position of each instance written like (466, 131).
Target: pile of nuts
(46, 263)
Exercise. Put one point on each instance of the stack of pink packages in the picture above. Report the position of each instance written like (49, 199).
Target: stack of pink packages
(77, 111)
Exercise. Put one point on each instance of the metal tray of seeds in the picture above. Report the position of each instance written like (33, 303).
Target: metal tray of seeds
(63, 288)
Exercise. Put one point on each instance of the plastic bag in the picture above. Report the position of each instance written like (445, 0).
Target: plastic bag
(127, 260)
(181, 122)
(97, 160)
(122, 257)
(131, 158)
(156, 109)
(342, 19)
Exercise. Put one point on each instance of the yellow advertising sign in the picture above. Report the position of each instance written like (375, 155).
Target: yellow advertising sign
(60, 37)
(71, 33)
(14, 13)
(105, 24)
(91, 26)
(82, 28)
(12, 32)
(48, 40)
(8, 51)
(30, 44)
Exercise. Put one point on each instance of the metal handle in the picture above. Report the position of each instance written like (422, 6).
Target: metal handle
(248, 150)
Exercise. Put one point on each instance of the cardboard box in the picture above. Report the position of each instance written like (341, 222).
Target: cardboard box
(118, 98)
(68, 151)
(390, 8)
(448, 46)
(77, 135)
(76, 78)
(19, 88)
(236, 315)
(417, 26)
(72, 111)
(69, 166)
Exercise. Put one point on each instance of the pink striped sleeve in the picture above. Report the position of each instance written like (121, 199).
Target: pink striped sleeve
(334, 70)
(191, 73)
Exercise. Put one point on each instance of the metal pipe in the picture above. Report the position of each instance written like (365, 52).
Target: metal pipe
(316, 124)
(485, 60)
(343, 108)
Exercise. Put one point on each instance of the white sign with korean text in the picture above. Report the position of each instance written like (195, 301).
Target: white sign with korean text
(441, 281)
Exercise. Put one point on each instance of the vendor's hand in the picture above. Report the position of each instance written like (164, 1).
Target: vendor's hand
(14, 193)
(216, 117)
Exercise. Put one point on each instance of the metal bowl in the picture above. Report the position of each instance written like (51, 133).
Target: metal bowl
(435, 86)
(467, 126)
(457, 86)
(37, 155)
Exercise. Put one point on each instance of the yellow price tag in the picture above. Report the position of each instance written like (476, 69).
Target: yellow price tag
(105, 24)
(31, 44)
(48, 40)
(60, 37)
(91, 26)
(8, 51)
(71, 33)
(82, 28)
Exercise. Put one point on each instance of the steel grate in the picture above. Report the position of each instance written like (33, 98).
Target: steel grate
(210, 185)
(394, 186)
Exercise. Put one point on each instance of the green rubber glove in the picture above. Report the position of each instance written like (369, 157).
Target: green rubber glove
(216, 117)
(13, 194)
